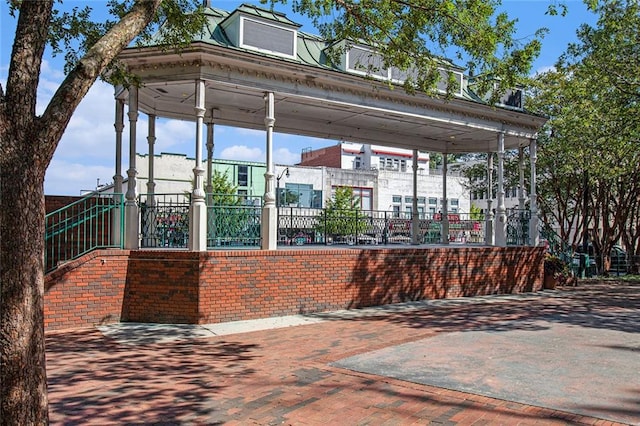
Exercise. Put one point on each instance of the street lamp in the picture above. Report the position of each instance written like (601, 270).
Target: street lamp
(285, 171)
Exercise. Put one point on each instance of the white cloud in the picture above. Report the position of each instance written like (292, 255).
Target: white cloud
(175, 136)
(242, 153)
(545, 69)
(284, 156)
(70, 178)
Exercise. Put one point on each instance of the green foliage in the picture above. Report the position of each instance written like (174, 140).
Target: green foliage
(342, 215)
(475, 213)
(231, 218)
(590, 146)
(223, 191)
(73, 32)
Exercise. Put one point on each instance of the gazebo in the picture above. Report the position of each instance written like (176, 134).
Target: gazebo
(254, 68)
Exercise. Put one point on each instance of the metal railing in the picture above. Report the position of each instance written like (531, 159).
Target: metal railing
(518, 228)
(299, 226)
(87, 224)
(164, 220)
(233, 220)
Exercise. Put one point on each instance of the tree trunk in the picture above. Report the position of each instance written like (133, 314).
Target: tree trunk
(23, 396)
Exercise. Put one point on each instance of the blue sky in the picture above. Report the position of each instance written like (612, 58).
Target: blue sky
(85, 155)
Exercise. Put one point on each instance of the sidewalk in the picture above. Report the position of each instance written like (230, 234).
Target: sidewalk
(555, 357)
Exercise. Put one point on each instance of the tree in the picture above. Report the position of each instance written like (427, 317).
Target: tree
(223, 191)
(27, 143)
(589, 150)
(342, 215)
(411, 36)
(231, 218)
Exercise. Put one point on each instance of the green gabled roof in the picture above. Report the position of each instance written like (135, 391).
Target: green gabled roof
(310, 49)
(269, 14)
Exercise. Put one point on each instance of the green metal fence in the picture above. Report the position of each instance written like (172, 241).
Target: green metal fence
(518, 228)
(300, 226)
(233, 220)
(87, 224)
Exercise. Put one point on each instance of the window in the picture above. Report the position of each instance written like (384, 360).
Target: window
(421, 201)
(357, 163)
(243, 176)
(408, 200)
(454, 202)
(364, 195)
(366, 201)
(433, 201)
(299, 195)
(396, 211)
(403, 165)
(397, 199)
(316, 202)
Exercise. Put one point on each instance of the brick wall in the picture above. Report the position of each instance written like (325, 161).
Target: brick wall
(55, 202)
(219, 286)
(329, 157)
(86, 291)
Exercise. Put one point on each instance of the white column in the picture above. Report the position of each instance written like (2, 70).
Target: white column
(116, 220)
(269, 211)
(445, 202)
(489, 236)
(534, 234)
(198, 210)
(131, 239)
(521, 198)
(415, 229)
(150, 219)
(501, 211)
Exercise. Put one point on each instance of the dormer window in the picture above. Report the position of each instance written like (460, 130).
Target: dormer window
(261, 30)
(365, 61)
(361, 60)
(443, 82)
(267, 37)
(512, 98)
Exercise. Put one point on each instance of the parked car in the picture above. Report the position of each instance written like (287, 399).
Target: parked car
(618, 256)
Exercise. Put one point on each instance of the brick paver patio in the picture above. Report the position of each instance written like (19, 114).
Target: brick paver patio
(322, 373)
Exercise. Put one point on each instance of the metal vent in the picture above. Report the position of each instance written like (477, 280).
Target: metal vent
(367, 62)
(512, 98)
(268, 37)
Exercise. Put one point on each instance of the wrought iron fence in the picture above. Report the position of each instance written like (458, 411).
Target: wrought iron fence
(518, 227)
(299, 226)
(87, 224)
(464, 227)
(233, 220)
(164, 220)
